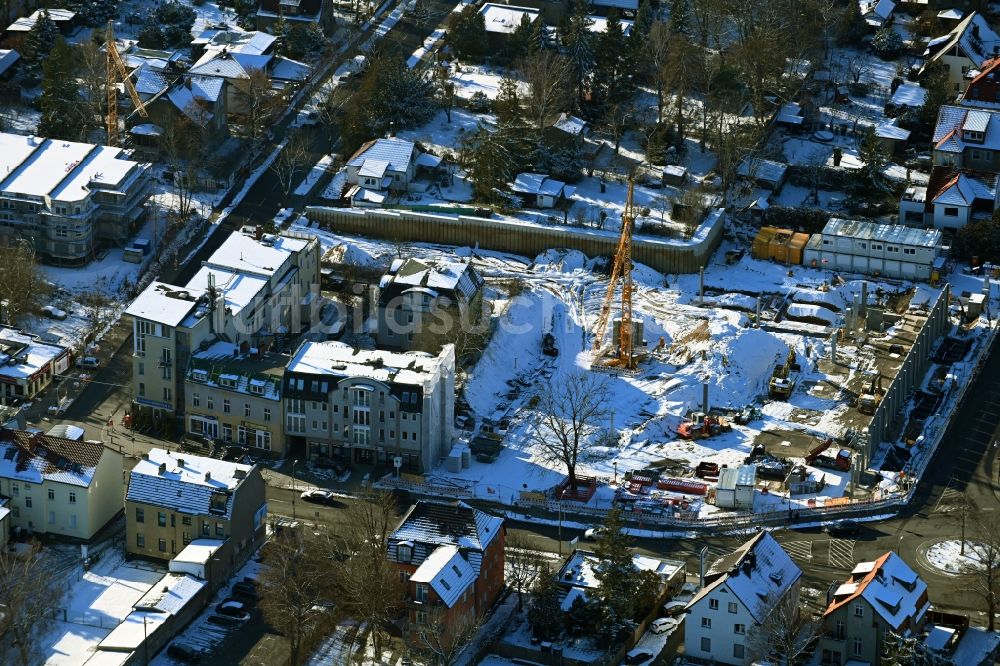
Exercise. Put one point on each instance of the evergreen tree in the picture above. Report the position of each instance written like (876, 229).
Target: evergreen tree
(39, 42)
(579, 47)
(490, 163)
(507, 104)
(852, 25)
(523, 40)
(612, 64)
(617, 581)
(544, 612)
(680, 18)
(467, 33)
(887, 43)
(60, 100)
(875, 157)
(938, 92)
(282, 32)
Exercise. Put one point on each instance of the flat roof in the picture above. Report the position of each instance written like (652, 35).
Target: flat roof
(47, 167)
(199, 551)
(240, 253)
(505, 19)
(341, 360)
(222, 473)
(239, 289)
(164, 303)
(102, 165)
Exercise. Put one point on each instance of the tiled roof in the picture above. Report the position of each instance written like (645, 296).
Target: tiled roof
(444, 523)
(33, 457)
(890, 587)
(187, 483)
(447, 572)
(963, 190)
(397, 153)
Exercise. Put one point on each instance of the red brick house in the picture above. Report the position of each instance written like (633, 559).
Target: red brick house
(984, 89)
(451, 557)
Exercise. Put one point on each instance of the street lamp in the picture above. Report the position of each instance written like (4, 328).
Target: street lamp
(615, 465)
(294, 463)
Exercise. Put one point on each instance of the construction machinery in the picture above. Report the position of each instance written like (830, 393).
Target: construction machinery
(817, 457)
(783, 378)
(871, 394)
(118, 73)
(623, 357)
(701, 426)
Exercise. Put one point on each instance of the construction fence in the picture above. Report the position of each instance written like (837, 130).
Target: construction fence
(518, 237)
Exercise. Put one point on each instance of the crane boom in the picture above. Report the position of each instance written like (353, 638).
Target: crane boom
(621, 270)
(116, 71)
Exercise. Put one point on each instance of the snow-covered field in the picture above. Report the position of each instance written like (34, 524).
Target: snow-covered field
(947, 556)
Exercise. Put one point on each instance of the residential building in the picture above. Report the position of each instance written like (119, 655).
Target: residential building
(451, 558)
(64, 19)
(370, 407)
(955, 199)
(4, 523)
(964, 51)
(57, 486)
(877, 13)
(9, 59)
(539, 191)
(232, 39)
(296, 13)
(237, 69)
(893, 251)
(28, 365)
(763, 173)
(233, 393)
(424, 305)
(577, 578)
(502, 21)
(951, 638)
(175, 498)
(67, 198)
(739, 593)
(386, 166)
(879, 597)
(188, 104)
(984, 89)
(253, 290)
(967, 138)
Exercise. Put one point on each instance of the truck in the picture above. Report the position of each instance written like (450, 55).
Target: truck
(549, 345)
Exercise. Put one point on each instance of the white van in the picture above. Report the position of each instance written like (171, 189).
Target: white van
(87, 362)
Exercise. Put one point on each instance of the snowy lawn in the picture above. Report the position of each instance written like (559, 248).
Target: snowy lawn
(946, 556)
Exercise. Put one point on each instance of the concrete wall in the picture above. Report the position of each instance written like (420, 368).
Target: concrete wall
(665, 255)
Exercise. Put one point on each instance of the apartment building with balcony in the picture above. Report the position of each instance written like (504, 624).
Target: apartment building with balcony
(59, 487)
(879, 597)
(233, 393)
(251, 290)
(68, 199)
(451, 558)
(370, 407)
(175, 498)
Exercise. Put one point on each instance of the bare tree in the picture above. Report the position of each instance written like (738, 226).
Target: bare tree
(22, 285)
(93, 75)
(184, 146)
(443, 643)
(257, 104)
(547, 75)
(28, 590)
(293, 587)
(570, 412)
(984, 578)
(524, 564)
(785, 635)
(290, 161)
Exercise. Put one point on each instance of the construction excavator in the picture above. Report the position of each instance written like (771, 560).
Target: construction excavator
(623, 357)
(783, 378)
(871, 395)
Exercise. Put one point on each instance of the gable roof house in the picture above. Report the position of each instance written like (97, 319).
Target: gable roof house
(964, 51)
(174, 498)
(877, 13)
(297, 13)
(452, 559)
(539, 191)
(234, 40)
(58, 486)
(879, 597)
(64, 19)
(967, 138)
(199, 102)
(386, 165)
(740, 592)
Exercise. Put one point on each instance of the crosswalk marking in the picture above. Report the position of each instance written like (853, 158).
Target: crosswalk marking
(950, 498)
(799, 550)
(842, 553)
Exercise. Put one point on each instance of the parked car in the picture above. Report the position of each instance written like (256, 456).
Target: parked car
(246, 590)
(183, 653)
(52, 312)
(842, 528)
(637, 656)
(662, 625)
(318, 496)
(88, 362)
(231, 607)
(674, 608)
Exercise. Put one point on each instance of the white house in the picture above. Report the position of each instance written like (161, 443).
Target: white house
(964, 50)
(893, 251)
(540, 191)
(388, 165)
(877, 13)
(739, 593)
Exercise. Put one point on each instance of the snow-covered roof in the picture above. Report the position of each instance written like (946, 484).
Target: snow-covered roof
(976, 646)
(950, 14)
(224, 360)
(240, 253)
(386, 154)
(759, 574)
(34, 457)
(235, 40)
(578, 570)
(7, 58)
(286, 69)
(67, 431)
(146, 129)
(22, 355)
(888, 129)
(149, 81)
(964, 189)
(170, 594)
(909, 94)
(888, 233)
(571, 124)
(229, 65)
(631, 5)
(206, 88)
(537, 183)
(337, 359)
(182, 98)
(26, 23)
(448, 524)
(187, 484)
(504, 19)
(599, 24)
(239, 289)
(571, 596)
(938, 637)
(133, 631)
(973, 36)
(459, 278)
(447, 572)
(164, 303)
(891, 588)
(767, 171)
(199, 551)
(731, 478)
(62, 170)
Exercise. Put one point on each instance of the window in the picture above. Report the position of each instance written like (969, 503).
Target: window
(857, 647)
(421, 617)
(295, 423)
(859, 610)
(52, 517)
(975, 153)
(210, 402)
(206, 529)
(185, 538)
(195, 400)
(706, 623)
(167, 394)
(909, 250)
(403, 577)
(877, 246)
(706, 644)
(246, 410)
(892, 248)
(738, 650)
(27, 502)
(52, 494)
(140, 515)
(186, 520)
(840, 630)
(141, 368)
(739, 629)
(267, 414)
(140, 540)
(713, 604)
(732, 607)
(72, 498)
(162, 545)
(227, 432)
(161, 519)
(951, 211)
(220, 529)
(72, 521)
(142, 389)
(226, 406)
(404, 553)
(421, 592)
(257, 387)
(14, 489)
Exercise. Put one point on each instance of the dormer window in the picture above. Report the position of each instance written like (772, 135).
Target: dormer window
(228, 381)
(404, 552)
(257, 386)
(972, 136)
(200, 375)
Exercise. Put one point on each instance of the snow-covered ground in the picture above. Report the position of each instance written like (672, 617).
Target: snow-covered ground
(947, 556)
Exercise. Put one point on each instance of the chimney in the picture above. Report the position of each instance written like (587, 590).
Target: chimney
(187, 83)
(180, 462)
(258, 232)
(208, 476)
(701, 566)
(239, 473)
(145, 456)
(162, 469)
